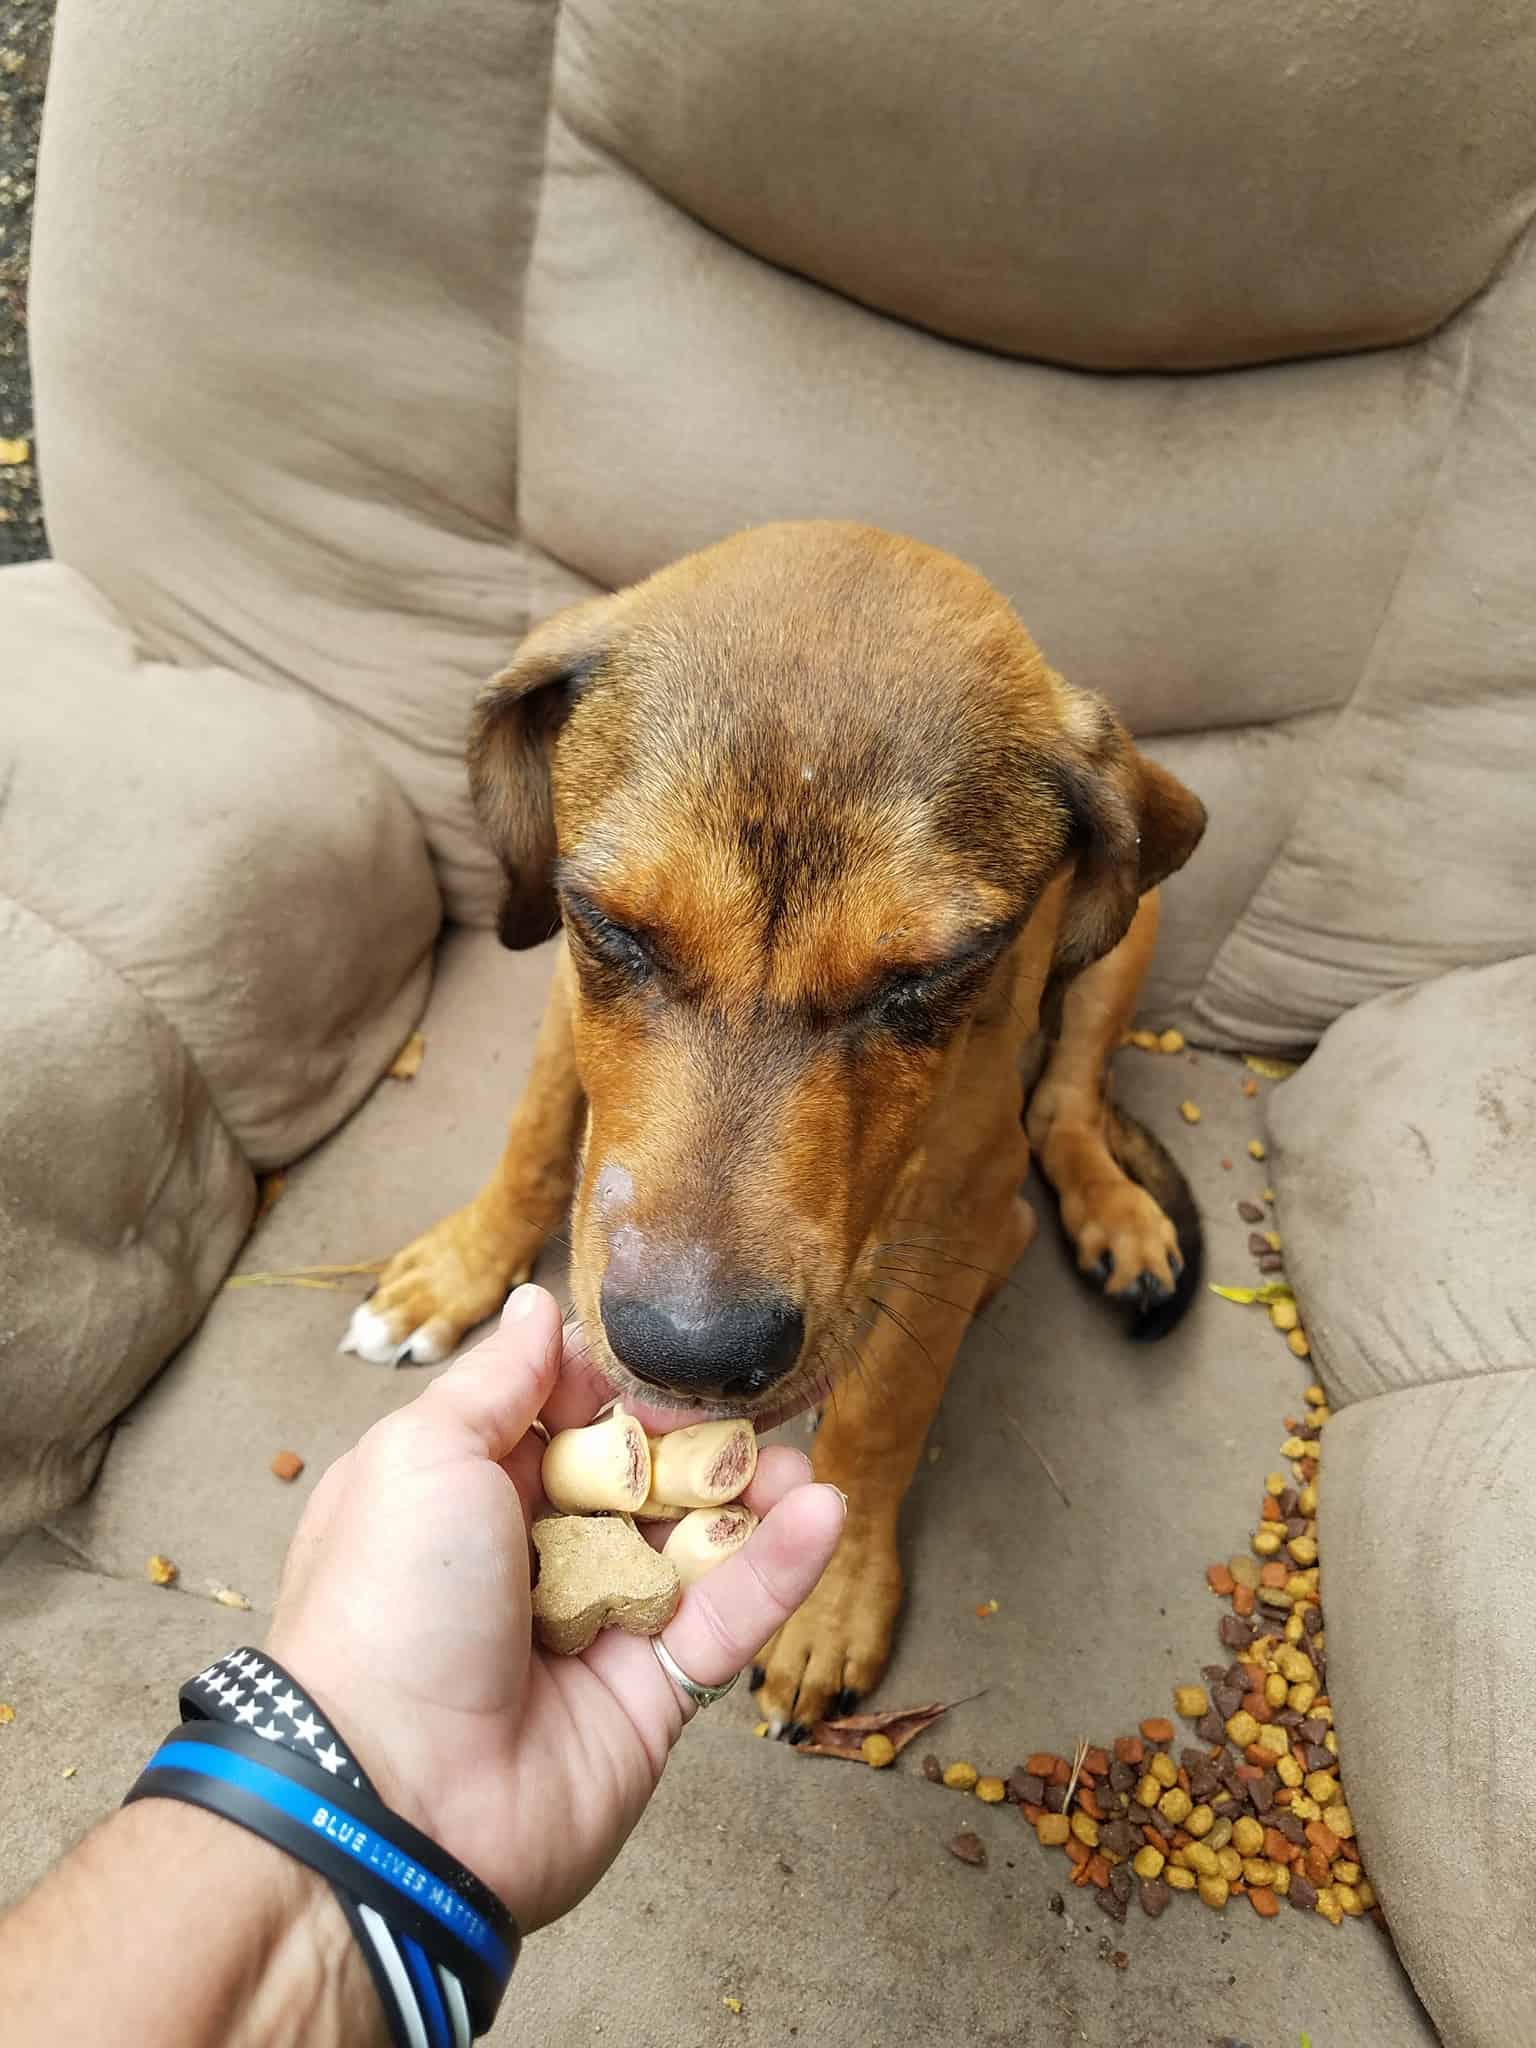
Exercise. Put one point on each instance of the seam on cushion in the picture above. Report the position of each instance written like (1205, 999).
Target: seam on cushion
(154, 1009)
(1462, 1379)
(1410, 555)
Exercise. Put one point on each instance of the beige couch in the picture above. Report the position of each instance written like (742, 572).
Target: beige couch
(364, 337)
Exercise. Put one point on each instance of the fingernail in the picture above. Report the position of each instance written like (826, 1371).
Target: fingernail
(841, 1496)
(521, 1303)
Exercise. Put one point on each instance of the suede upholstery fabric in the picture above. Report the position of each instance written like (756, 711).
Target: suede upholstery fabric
(1149, 188)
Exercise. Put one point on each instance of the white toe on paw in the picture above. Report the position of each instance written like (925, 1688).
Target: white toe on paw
(429, 1345)
(372, 1337)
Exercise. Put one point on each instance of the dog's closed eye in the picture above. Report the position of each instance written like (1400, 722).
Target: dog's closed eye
(608, 944)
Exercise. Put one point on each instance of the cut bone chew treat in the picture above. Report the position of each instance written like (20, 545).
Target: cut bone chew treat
(606, 1466)
(706, 1537)
(702, 1466)
(596, 1572)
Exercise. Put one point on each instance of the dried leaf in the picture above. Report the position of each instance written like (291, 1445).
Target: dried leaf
(407, 1061)
(845, 1737)
(1243, 1295)
(1272, 1070)
(268, 1189)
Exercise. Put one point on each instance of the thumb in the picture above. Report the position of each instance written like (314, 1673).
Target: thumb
(496, 1390)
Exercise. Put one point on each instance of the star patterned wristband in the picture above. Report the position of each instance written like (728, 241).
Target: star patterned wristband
(255, 1747)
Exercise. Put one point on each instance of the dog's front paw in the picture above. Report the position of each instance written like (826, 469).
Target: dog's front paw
(835, 1648)
(1125, 1241)
(442, 1284)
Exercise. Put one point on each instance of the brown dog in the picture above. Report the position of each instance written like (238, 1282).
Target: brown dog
(837, 856)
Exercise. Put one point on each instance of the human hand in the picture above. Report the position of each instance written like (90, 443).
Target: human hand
(405, 1610)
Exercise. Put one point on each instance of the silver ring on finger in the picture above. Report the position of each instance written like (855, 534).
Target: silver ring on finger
(701, 1695)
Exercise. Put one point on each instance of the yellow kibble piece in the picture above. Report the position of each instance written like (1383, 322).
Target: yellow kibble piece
(1306, 1500)
(1266, 1540)
(1215, 1891)
(1295, 1665)
(1175, 1805)
(1329, 1906)
(1348, 1898)
(1274, 1482)
(1282, 1880)
(1181, 1856)
(1331, 1742)
(1163, 1768)
(1300, 1698)
(1220, 1835)
(1148, 1862)
(961, 1777)
(1199, 1821)
(1322, 1711)
(1294, 1630)
(1086, 1829)
(991, 1791)
(1247, 1836)
(879, 1750)
(1242, 1729)
(1345, 1872)
(1052, 1829)
(1288, 1771)
(1314, 1396)
(1230, 1864)
(1305, 1809)
(1299, 1344)
(1201, 1858)
(1190, 1111)
(1190, 1701)
(1274, 1689)
(1275, 1740)
(1181, 1880)
(1303, 1549)
(1341, 1820)
(1284, 1316)
(1257, 1870)
(1145, 1040)
(1170, 1040)
(1272, 1239)
(1367, 1893)
(1301, 1589)
(1255, 1148)
(160, 1571)
(1293, 1447)
(1148, 1790)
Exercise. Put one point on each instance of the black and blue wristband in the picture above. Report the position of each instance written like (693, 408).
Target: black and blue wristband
(439, 1943)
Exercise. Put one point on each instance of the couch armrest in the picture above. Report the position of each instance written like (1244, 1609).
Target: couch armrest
(224, 849)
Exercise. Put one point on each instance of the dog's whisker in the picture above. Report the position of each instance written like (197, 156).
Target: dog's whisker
(939, 1300)
(903, 1325)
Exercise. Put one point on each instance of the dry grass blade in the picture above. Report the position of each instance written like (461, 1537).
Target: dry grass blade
(1078, 1758)
(1040, 1458)
(327, 1278)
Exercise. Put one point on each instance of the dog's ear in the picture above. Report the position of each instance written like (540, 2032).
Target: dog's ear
(1132, 825)
(517, 720)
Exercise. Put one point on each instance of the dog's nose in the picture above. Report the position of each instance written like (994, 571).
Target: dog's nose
(728, 1351)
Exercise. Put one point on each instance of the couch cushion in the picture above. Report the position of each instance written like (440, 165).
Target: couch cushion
(1425, 1525)
(1403, 1169)
(1162, 187)
(276, 407)
(223, 848)
(122, 1199)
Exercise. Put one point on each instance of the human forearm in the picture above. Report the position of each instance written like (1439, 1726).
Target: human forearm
(171, 1928)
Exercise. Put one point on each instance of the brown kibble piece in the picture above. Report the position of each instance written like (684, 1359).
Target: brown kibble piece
(1154, 1898)
(287, 1465)
(596, 1572)
(1250, 1212)
(968, 1848)
(933, 1770)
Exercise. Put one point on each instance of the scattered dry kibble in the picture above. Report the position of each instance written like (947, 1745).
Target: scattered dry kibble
(1190, 1111)
(878, 1751)
(961, 1777)
(1170, 1040)
(968, 1847)
(1257, 1810)
(7, 1713)
(160, 1571)
(287, 1465)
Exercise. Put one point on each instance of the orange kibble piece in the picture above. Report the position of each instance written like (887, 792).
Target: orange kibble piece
(1323, 1839)
(1061, 1771)
(1244, 1600)
(287, 1465)
(1088, 1803)
(1129, 1749)
(1041, 1765)
(1270, 1512)
(1264, 1902)
(1098, 1871)
(1157, 1729)
(1274, 1573)
(1096, 1761)
(1219, 1579)
(1077, 1852)
(1276, 1847)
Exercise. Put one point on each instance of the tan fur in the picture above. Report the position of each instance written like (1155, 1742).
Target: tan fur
(794, 764)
